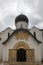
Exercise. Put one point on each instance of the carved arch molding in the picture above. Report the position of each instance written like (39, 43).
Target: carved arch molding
(23, 45)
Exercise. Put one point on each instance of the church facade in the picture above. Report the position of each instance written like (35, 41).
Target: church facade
(21, 44)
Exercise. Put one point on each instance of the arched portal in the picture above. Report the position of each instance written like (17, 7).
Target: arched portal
(21, 45)
(21, 52)
(21, 55)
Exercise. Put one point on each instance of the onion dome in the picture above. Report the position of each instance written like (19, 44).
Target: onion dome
(22, 18)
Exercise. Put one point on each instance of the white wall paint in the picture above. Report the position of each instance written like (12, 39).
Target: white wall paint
(10, 44)
(42, 45)
(31, 42)
(24, 25)
(38, 33)
(4, 36)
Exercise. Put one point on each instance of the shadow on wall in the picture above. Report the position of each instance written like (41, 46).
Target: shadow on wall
(42, 61)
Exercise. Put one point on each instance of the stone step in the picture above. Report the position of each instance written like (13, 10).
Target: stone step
(20, 63)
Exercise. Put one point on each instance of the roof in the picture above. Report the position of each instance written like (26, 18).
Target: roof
(21, 18)
(41, 29)
(21, 30)
(6, 29)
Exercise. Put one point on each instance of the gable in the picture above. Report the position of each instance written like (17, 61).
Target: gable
(37, 32)
(21, 34)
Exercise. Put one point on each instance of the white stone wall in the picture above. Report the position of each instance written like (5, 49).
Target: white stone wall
(4, 36)
(33, 44)
(1, 50)
(38, 33)
(24, 25)
(42, 45)
(5, 33)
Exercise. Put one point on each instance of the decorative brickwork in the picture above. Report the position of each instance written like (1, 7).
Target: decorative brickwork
(21, 45)
(12, 55)
(22, 35)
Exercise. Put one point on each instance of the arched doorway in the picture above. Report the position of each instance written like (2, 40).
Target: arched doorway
(21, 55)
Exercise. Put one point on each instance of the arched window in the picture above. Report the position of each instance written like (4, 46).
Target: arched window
(21, 55)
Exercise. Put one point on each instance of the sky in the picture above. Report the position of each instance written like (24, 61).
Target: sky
(9, 9)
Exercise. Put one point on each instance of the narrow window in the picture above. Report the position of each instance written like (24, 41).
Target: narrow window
(0, 39)
(21, 25)
(8, 35)
(35, 34)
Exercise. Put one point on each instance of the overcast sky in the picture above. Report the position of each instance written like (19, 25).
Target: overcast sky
(9, 9)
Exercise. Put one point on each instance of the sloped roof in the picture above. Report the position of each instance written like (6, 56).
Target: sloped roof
(21, 30)
(6, 29)
(41, 29)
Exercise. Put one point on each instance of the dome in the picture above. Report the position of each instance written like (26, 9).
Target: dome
(21, 18)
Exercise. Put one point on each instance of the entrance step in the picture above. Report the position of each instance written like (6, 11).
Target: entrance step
(22, 63)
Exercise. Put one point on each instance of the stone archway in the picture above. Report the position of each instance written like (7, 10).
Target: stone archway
(24, 47)
(21, 45)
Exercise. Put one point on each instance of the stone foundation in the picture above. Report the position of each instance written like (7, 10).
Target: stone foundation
(20, 63)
